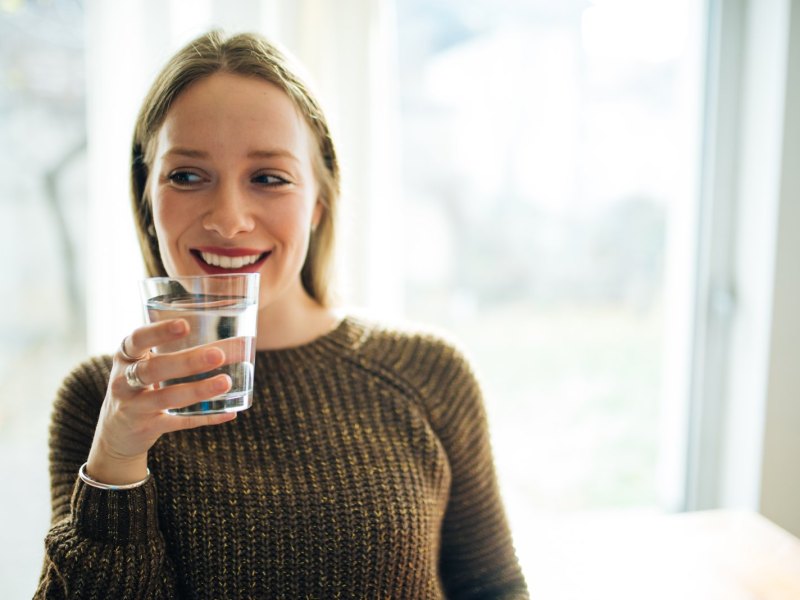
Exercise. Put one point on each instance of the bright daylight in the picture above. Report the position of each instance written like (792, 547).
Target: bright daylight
(557, 355)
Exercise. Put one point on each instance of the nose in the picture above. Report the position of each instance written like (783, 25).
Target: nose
(229, 214)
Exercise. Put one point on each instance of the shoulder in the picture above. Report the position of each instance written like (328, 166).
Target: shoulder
(86, 384)
(402, 343)
(92, 372)
(429, 360)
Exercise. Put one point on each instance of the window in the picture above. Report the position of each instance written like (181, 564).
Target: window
(550, 189)
(43, 208)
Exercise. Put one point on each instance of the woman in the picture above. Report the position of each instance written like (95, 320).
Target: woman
(363, 468)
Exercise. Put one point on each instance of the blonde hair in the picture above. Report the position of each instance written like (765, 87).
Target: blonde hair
(249, 55)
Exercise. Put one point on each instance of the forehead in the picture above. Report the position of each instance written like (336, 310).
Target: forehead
(227, 112)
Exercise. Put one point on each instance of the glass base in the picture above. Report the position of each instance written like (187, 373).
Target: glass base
(222, 404)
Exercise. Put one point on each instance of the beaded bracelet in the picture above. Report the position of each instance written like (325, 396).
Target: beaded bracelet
(107, 486)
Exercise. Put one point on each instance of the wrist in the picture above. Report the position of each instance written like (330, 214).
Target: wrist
(115, 514)
(112, 471)
(106, 486)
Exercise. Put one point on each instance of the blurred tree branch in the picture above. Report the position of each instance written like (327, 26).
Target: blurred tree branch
(68, 253)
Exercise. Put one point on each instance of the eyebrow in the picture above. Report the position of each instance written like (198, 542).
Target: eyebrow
(190, 153)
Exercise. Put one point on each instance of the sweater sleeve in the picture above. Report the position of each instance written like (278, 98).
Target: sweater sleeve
(477, 555)
(101, 544)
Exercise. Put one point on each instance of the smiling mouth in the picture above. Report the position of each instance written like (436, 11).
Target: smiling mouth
(233, 263)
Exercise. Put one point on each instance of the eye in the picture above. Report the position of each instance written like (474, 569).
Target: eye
(269, 180)
(184, 178)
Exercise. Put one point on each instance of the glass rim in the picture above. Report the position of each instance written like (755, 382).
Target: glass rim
(198, 277)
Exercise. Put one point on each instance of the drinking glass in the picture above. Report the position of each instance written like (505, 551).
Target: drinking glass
(221, 311)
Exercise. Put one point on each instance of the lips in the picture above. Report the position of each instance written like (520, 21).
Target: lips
(229, 260)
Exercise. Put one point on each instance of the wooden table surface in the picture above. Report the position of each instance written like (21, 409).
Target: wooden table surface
(709, 555)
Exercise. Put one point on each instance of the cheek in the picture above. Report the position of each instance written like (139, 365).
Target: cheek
(156, 209)
(169, 223)
(163, 225)
(292, 224)
(169, 216)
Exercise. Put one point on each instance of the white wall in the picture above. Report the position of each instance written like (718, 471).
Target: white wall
(780, 479)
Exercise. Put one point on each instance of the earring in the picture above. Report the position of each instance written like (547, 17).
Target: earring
(151, 230)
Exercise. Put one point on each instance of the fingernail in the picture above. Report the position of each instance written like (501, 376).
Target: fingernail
(221, 384)
(214, 355)
(177, 326)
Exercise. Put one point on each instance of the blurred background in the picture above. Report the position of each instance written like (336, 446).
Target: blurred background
(597, 200)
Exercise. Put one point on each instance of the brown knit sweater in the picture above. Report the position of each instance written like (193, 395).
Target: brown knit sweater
(362, 470)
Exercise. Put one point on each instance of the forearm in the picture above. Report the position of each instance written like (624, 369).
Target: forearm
(477, 553)
(109, 547)
(102, 543)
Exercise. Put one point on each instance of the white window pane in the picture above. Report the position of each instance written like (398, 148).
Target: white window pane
(549, 176)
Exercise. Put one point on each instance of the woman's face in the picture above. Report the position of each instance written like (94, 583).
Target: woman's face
(232, 184)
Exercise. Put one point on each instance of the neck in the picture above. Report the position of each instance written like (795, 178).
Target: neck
(290, 324)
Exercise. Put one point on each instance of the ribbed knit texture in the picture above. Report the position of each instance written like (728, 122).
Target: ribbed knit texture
(362, 470)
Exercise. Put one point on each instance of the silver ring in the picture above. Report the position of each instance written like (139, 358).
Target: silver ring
(127, 356)
(132, 377)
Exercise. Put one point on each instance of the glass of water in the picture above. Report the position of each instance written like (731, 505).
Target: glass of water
(221, 311)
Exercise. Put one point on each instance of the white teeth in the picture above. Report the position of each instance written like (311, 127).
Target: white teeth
(229, 262)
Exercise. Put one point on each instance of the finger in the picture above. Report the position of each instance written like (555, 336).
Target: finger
(121, 388)
(236, 349)
(127, 356)
(181, 395)
(140, 341)
(176, 365)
